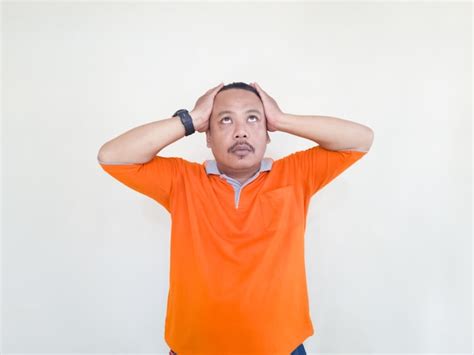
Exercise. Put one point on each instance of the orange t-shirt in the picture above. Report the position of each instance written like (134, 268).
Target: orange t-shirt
(237, 271)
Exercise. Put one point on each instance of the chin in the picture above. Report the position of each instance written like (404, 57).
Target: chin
(246, 161)
(240, 163)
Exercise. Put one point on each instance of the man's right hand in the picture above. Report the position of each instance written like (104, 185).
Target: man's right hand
(203, 108)
(141, 144)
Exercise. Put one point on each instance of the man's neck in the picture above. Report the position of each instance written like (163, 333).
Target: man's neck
(239, 175)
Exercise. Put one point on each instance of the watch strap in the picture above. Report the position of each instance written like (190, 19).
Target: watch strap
(186, 120)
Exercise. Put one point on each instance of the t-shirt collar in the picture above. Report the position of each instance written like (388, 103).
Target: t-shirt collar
(211, 166)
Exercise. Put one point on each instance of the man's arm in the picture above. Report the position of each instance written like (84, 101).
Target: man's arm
(140, 144)
(329, 132)
(340, 144)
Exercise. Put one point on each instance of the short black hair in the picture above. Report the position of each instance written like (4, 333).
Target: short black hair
(240, 85)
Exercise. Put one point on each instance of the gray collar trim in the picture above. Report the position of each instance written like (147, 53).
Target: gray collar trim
(211, 166)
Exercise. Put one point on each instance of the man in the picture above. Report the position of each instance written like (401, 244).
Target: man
(237, 271)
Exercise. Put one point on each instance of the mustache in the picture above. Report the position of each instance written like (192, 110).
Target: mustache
(240, 145)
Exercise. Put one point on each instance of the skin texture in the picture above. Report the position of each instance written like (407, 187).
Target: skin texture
(229, 130)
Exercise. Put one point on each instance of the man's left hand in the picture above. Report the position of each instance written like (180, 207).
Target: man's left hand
(273, 114)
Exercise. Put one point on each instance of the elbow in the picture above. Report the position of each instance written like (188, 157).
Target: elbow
(101, 154)
(371, 136)
(369, 140)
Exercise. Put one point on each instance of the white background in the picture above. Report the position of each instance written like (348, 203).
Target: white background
(85, 260)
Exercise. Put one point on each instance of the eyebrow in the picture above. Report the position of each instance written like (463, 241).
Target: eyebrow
(251, 110)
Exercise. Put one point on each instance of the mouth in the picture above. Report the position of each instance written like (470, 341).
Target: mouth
(241, 151)
(242, 147)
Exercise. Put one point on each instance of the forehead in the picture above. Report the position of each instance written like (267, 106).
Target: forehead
(236, 100)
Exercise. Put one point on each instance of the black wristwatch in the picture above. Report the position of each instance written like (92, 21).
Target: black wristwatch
(186, 120)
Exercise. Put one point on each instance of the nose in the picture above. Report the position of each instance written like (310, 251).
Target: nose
(240, 131)
(240, 135)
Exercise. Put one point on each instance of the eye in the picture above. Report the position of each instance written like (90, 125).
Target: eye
(227, 119)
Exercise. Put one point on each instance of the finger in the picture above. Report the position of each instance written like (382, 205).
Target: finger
(214, 93)
(215, 87)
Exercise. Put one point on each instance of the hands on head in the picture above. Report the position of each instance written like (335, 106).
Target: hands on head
(203, 108)
(273, 114)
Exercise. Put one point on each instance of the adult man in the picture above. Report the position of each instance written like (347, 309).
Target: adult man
(237, 273)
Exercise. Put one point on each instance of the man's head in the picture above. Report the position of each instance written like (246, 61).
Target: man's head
(237, 132)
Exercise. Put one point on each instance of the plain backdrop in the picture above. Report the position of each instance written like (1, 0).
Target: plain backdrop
(388, 244)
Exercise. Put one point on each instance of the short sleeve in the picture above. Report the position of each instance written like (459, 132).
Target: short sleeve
(317, 166)
(154, 179)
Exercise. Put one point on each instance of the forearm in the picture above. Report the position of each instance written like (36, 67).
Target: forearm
(142, 143)
(329, 132)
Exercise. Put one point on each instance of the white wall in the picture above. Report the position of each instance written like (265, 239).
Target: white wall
(388, 244)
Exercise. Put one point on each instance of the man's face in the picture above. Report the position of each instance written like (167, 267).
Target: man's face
(238, 138)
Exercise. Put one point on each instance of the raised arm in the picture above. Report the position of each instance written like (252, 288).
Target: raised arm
(331, 133)
(140, 144)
